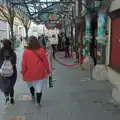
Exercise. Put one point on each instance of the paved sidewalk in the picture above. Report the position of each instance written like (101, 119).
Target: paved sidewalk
(73, 97)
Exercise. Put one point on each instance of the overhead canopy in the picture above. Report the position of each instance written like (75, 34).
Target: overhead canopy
(44, 10)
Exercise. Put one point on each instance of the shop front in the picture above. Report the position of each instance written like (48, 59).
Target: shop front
(114, 59)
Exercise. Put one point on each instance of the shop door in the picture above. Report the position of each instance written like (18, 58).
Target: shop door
(115, 44)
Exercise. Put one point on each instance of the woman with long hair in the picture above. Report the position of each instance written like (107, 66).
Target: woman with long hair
(35, 68)
(7, 83)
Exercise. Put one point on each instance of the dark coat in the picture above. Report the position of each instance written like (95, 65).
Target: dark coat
(6, 83)
(43, 43)
(67, 42)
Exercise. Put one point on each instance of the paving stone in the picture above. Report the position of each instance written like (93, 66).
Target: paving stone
(25, 97)
(30, 116)
(73, 97)
(40, 116)
(17, 118)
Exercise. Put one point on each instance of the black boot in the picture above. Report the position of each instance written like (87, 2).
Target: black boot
(32, 91)
(39, 96)
(12, 101)
(6, 100)
(12, 96)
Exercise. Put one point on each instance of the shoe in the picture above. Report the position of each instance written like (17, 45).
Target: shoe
(12, 102)
(7, 103)
(38, 105)
(33, 98)
(38, 96)
(32, 91)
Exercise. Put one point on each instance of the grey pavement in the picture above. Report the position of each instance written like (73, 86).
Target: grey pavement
(73, 97)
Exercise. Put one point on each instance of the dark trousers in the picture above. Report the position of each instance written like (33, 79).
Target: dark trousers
(54, 50)
(67, 54)
(9, 93)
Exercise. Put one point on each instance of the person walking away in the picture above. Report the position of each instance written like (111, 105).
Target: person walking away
(35, 68)
(8, 71)
(67, 43)
(59, 43)
(42, 42)
(53, 43)
(1, 43)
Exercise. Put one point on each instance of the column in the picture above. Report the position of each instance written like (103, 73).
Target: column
(63, 24)
(101, 39)
(88, 32)
(100, 70)
(76, 21)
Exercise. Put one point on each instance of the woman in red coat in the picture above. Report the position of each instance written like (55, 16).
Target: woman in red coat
(35, 67)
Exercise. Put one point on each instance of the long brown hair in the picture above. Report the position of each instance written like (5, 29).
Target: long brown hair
(33, 43)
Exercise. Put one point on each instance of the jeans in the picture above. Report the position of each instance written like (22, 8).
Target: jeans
(38, 85)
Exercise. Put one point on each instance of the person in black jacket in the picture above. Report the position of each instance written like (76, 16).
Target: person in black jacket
(7, 83)
(67, 43)
(42, 42)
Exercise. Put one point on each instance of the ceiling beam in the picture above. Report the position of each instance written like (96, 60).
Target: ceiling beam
(48, 2)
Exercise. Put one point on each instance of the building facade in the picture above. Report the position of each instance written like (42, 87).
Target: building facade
(5, 29)
(113, 48)
(106, 38)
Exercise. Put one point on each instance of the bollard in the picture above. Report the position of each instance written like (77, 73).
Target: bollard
(91, 65)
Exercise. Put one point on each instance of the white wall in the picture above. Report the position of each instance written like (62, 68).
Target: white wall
(115, 5)
(108, 42)
(3, 29)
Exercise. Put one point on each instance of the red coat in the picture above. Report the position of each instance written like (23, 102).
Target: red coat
(32, 68)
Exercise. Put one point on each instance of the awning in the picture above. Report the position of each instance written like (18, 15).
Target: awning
(43, 10)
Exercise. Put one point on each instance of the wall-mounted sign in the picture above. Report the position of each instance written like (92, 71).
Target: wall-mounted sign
(49, 16)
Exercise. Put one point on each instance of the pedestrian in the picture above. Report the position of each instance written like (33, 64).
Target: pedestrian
(54, 42)
(1, 43)
(35, 68)
(8, 71)
(59, 43)
(67, 43)
(42, 42)
(21, 39)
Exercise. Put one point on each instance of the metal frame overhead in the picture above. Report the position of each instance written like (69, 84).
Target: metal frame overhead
(34, 9)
